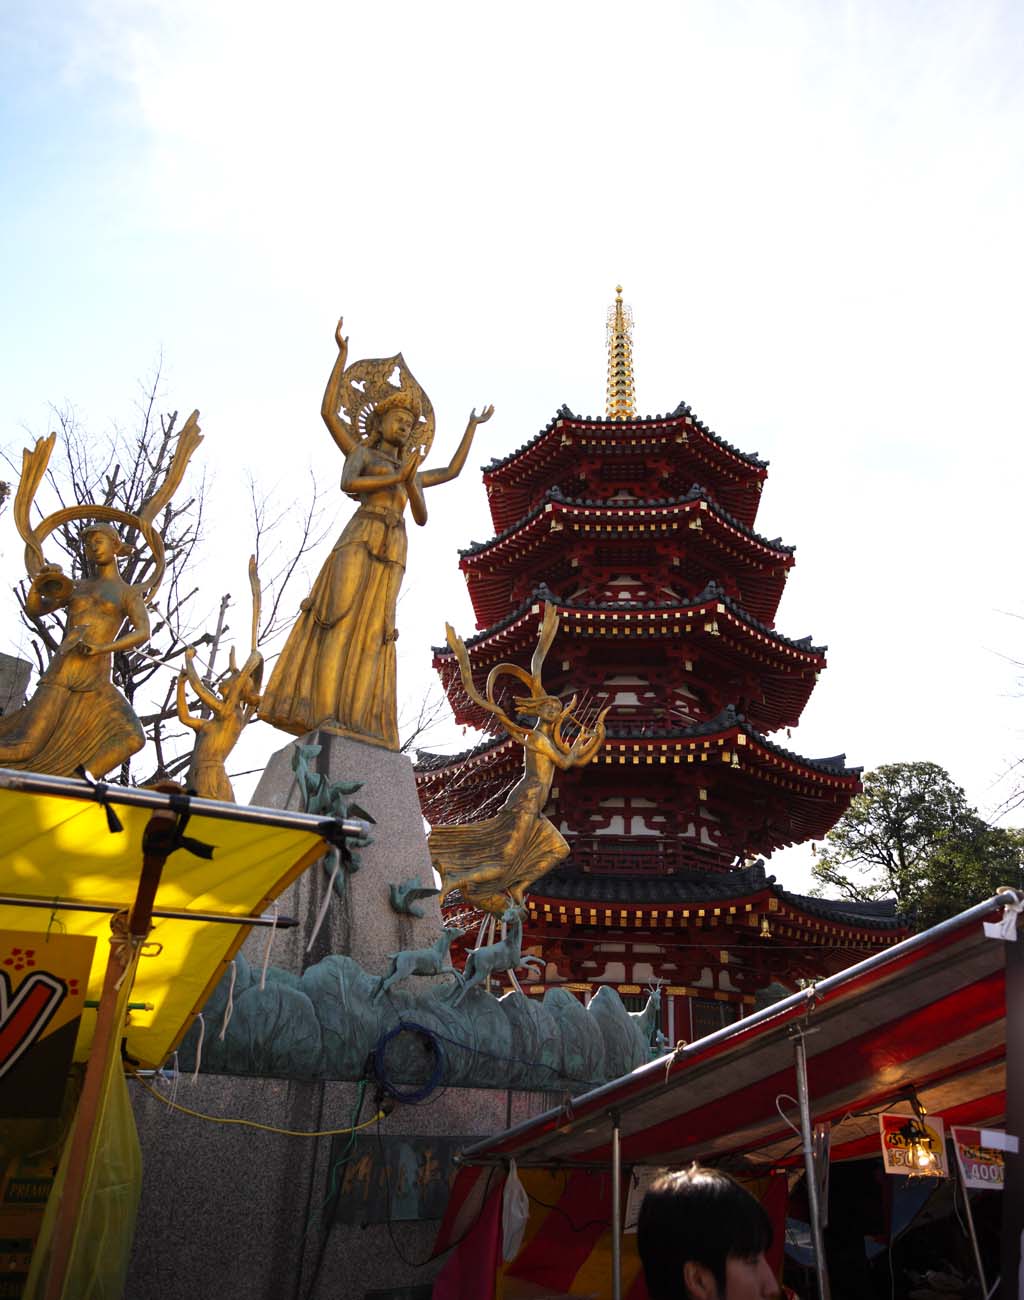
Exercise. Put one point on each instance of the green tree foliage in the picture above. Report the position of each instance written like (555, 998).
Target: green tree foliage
(913, 835)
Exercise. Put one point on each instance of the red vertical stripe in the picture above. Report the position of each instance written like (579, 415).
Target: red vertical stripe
(470, 1271)
(569, 1234)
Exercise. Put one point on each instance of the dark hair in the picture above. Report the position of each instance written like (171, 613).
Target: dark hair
(701, 1215)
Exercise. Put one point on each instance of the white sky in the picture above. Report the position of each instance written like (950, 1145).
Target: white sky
(815, 209)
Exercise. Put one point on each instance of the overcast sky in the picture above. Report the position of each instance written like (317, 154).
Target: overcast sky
(815, 210)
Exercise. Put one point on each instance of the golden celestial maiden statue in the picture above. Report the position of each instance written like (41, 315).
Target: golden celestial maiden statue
(77, 717)
(337, 669)
(228, 712)
(494, 861)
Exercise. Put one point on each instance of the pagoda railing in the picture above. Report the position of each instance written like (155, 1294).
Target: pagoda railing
(639, 855)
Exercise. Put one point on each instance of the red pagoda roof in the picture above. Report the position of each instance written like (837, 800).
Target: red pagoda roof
(739, 900)
(692, 916)
(651, 455)
(726, 753)
(646, 535)
(709, 628)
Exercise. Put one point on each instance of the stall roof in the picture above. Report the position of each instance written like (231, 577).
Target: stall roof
(928, 1014)
(57, 845)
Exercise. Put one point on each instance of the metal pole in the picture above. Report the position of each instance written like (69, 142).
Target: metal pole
(1012, 1250)
(970, 1222)
(157, 843)
(161, 913)
(807, 1136)
(616, 1209)
(332, 829)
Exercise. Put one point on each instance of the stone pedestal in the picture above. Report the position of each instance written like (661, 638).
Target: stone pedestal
(228, 1211)
(14, 679)
(360, 921)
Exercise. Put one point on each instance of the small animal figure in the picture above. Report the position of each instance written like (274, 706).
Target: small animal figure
(419, 961)
(325, 798)
(494, 957)
(648, 1021)
(405, 896)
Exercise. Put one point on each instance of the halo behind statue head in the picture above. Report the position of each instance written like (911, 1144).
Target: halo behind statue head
(368, 390)
(107, 514)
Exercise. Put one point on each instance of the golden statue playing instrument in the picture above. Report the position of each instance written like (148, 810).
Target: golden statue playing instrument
(77, 717)
(230, 712)
(337, 669)
(494, 861)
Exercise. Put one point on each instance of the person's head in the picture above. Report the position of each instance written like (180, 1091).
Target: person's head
(548, 708)
(701, 1236)
(394, 419)
(102, 543)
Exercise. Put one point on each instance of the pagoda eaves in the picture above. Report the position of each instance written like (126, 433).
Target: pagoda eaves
(711, 646)
(671, 452)
(722, 764)
(575, 541)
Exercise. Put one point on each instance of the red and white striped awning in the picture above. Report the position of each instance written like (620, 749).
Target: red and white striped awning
(927, 1014)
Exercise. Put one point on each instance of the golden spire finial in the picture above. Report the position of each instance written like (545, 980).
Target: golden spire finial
(621, 402)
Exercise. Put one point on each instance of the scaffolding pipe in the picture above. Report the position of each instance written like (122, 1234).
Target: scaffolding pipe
(811, 1177)
(616, 1209)
(970, 1221)
(333, 829)
(161, 913)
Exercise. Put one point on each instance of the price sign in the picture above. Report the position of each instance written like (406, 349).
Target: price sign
(914, 1146)
(979, 1153)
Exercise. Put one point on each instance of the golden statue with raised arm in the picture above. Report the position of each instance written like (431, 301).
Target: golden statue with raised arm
(494, 861)
(337, 669)
(77, 717)
(228, 712)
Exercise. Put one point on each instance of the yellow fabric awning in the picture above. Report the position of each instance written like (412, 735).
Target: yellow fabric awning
(61, 848)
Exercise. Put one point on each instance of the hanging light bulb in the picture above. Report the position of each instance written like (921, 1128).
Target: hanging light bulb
(922, 1159)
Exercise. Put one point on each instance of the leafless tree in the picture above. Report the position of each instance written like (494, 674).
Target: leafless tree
(122, 469)
(277, 562)
(417, 722)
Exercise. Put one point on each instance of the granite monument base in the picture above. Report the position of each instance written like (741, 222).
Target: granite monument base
(359, 920)
(228, 1211)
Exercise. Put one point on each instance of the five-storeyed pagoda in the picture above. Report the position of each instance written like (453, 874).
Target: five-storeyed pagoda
(640, 529)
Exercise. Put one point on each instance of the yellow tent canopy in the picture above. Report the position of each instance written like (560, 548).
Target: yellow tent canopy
(55, 844)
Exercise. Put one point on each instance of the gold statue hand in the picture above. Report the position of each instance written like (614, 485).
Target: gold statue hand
(73, 640)
(341, 339)
(453, 469)
(49, 589)
(588, 742)
(411, 466)
(194, 724)
(341, 431)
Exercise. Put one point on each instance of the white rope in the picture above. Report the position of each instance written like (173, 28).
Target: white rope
(229, 1009)
(199, 1046)
(784, 1096)
(266, 951)
(327, 899)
